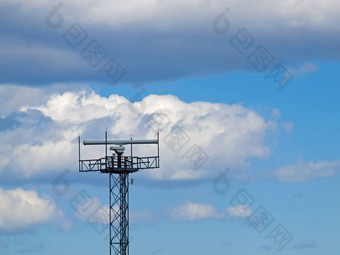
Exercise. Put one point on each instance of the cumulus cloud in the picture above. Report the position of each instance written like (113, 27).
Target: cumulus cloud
(225, 134)
(22, 209)
(199, 211)
(306, 171)
(158, 39)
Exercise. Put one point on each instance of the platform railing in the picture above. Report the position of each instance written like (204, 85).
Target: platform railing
(110, 163)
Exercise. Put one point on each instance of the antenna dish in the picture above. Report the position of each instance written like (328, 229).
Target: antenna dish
(120, 142)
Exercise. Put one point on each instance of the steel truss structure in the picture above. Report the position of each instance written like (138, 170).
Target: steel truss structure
(118, 168)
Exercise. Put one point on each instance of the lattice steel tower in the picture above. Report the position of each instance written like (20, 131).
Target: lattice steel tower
(119, 167)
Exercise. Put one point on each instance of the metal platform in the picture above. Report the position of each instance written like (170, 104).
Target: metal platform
(111, 164)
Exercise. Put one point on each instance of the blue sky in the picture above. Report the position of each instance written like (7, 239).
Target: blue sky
(270, 152)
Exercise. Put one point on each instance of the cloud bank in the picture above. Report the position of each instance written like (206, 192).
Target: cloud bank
(157, 40)
(41, 139)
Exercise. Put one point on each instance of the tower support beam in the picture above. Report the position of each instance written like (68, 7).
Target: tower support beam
(119, 214)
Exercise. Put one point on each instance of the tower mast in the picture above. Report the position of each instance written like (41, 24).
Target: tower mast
(118, 167)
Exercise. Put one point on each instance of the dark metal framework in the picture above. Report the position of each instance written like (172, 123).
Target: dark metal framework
(119, 168)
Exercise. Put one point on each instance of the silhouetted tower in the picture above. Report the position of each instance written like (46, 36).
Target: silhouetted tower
(119, 167)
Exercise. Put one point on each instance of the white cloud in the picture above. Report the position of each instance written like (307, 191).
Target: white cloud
(200, 211)
(195, 211)
(239, 211)
(22, 209)
(306, 171)
(229, 135)
(80, 107)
